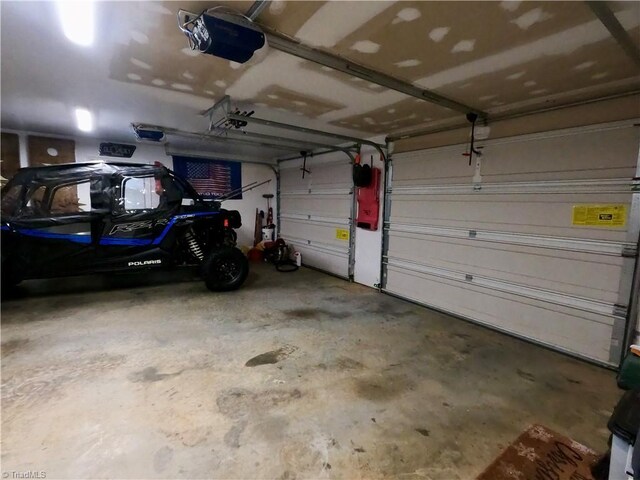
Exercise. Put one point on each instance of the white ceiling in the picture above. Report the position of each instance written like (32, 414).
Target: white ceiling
(499, 56)
(45, 77)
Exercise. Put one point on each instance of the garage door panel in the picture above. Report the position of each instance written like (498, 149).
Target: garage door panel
(315, 212)
(601, 154)
(586, 155)
(511, 313)
(519, 199)
(495, 242)
(447, 176)
(317, 256)
(441, 169)
(291, 179)
(509, 213)
(315, 231)
(321, 205)
(528, 266)
(541, 230)
(608, 173)
(326, 175)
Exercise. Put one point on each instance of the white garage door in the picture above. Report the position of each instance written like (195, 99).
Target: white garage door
(316, 211)
(540, 244)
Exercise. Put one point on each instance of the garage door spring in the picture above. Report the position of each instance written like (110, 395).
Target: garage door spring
(194, 246)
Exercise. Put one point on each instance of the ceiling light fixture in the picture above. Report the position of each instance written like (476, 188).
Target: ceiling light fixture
(84, 119)
(77, 19)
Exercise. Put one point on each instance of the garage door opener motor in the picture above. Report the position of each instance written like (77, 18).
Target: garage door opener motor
(225, 33)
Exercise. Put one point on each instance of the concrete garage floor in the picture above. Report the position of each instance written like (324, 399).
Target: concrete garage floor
(167, 380)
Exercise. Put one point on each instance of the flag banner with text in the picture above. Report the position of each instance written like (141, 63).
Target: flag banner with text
(210, 178)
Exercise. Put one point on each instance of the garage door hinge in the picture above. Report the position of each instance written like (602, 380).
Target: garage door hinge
(629, 251)
(620, 310)
(468, 278)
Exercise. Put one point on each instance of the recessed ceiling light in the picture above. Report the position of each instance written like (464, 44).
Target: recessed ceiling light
(84, 119)
(77, 19)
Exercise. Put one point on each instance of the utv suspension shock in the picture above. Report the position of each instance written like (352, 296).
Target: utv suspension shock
(194, 246)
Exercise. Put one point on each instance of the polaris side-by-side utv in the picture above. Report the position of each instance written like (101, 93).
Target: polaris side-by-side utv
(83, 218)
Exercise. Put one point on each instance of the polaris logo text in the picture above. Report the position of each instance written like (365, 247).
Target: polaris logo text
(146, 262)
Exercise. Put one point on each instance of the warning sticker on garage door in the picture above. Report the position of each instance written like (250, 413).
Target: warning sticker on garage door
(600, 215)
(342, 234)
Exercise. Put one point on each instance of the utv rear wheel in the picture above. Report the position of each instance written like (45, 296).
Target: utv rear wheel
(225, 269)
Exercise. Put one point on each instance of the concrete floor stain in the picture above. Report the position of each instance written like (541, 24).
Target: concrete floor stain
(526, 375)
(241, 402)
(313, 313)
(162, 459)
(303, 313)
(346, 363)
(274, 356)
(382, 389)
(232, 437)
(463, 336)
(189, 437)
(398, 309)
(287, 475)
(150, 374)
(12, 346)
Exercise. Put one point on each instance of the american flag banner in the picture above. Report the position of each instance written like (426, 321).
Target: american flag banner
(210, 178)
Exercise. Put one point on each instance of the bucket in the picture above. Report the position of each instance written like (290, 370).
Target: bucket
(267, 234)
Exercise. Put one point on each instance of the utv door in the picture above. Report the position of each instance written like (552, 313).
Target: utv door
(140, 219)
(53, 232)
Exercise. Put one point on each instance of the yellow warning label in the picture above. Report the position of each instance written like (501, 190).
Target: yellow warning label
(600, 215)
(342, 234)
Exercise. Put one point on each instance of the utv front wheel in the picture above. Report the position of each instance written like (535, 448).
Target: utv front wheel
(225, 269)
